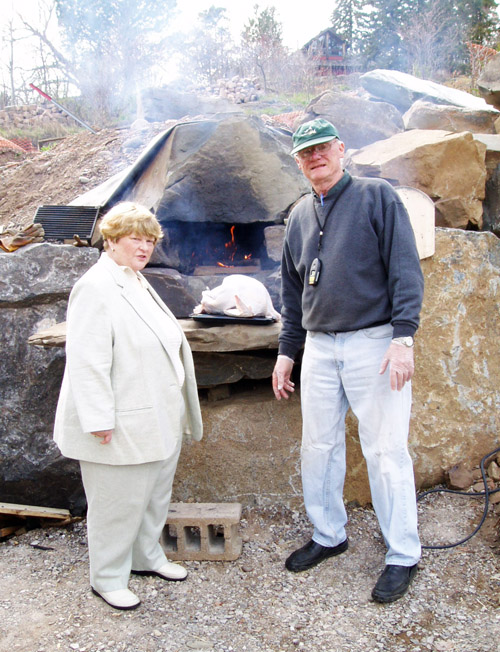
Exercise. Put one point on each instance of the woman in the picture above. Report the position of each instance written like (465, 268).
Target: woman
(127, 398)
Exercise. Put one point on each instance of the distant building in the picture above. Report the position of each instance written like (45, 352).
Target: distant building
(328, 51)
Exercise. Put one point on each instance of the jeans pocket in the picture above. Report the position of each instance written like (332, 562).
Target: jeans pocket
(379, 332)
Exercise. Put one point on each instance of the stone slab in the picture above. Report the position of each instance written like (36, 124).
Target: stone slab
(239, 337)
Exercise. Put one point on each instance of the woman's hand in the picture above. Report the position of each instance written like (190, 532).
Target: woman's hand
(104, 434)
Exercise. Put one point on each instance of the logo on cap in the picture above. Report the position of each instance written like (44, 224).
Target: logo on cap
(309, 131)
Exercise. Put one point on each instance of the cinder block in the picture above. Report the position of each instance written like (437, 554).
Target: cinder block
(202, 532)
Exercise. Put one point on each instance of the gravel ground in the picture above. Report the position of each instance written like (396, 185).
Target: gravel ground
(254, 604)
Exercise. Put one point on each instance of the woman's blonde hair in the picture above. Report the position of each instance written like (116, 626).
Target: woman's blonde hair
(128, 218)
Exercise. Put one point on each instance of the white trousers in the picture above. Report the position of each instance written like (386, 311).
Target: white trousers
(127, 510)
(341, 370)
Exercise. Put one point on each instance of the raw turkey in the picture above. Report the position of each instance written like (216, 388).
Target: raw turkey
(238, 296)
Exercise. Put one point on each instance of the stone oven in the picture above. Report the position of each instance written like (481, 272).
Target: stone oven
(221, 188)
(202, 248)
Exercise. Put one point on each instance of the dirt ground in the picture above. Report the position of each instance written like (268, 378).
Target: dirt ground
(70, 168)
(253, 604)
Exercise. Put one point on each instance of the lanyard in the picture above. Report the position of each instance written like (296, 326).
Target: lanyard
(322, 227)
(315, 269)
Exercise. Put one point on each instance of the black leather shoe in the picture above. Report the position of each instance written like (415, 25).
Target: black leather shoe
(393, 583)
(311, 554)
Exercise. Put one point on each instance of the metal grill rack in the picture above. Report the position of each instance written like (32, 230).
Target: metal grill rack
(64, 222)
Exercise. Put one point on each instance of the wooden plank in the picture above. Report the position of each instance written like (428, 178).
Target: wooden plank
(44, 141)
(54, 336)
(33, 510)
(6, 531)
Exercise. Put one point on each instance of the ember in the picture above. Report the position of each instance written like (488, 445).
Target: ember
(217, 247)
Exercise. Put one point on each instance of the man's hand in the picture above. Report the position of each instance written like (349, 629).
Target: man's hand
(105, 435)
(281, 377)
(400, 359)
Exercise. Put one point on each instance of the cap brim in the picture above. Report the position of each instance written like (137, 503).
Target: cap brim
(311, 143)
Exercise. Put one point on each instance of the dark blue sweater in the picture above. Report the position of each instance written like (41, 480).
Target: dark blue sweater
(370, 266)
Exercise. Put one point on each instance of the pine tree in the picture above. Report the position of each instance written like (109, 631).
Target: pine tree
(350, 21)
(479, 19)
(425, 36)
(383, 47)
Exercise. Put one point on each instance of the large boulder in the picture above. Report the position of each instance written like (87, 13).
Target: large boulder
(359, 121)
(402, 89)
(427, 115)
(456, 388)
(232, 170)
(491, 204)
(489, 82)
(35, 282)
(448, 167)
(171, 103)
(250, 453)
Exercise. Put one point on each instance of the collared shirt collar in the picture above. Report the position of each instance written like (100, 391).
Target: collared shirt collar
(336, 189)
(130, 275)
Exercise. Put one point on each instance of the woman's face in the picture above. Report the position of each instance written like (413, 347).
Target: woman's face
(132, 250)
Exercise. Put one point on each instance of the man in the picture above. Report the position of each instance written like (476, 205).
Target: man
(352, 291)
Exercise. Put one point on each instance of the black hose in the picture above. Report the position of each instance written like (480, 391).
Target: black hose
(486, 493)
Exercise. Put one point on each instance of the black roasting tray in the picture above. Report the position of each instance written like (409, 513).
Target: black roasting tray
(221, 320)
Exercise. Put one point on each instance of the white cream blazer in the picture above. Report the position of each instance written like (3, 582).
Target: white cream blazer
(119, 375)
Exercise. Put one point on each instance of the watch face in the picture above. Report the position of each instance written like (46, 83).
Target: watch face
(407, 341)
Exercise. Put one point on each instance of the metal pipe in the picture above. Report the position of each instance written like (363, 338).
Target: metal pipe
(47, 97)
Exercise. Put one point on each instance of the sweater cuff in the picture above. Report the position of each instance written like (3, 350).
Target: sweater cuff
(287, 351)
(403, 330)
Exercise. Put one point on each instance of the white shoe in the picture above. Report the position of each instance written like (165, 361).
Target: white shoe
(121, 599)
(168, 571)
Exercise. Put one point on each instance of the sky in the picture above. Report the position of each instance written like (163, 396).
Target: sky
(300, 22)
(298, 25)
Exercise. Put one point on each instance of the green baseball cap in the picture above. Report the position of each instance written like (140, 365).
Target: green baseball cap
(312, 133)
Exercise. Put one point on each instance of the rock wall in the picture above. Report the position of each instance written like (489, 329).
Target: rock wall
(31, 116)
(250, 452)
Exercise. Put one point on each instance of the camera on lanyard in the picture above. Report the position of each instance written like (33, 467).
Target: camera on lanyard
(314, 271)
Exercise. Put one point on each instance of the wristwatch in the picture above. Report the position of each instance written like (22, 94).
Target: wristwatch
(405, 341)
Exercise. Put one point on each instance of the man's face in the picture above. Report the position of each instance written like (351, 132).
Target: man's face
(322, 164)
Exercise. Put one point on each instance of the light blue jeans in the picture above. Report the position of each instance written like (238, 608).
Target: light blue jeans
(341, 370)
